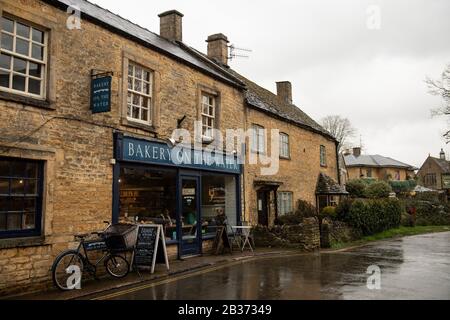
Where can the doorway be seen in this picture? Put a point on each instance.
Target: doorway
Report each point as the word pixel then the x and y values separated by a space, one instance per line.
pixel 189 216
pixel 263 209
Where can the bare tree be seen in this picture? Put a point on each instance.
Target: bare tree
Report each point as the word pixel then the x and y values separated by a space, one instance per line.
pixel 340 128
pixel 441 88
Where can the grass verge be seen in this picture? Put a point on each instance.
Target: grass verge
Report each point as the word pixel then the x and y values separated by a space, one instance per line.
pixel 392 233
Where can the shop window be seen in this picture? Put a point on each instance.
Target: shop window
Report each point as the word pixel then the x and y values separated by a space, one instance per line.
pixel 139 99
pixel 23 58
pixel 149 195
pixel 285 203
pixel 284 146
pixel 218 196
pixel 209 109
pixel 258 143
pixel 323 156
pixel 20 197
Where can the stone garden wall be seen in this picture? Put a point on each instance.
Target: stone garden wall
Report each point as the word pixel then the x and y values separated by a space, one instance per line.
pixel 305 236
pixel 337 231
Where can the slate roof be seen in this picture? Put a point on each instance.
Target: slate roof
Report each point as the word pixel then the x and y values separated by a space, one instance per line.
pixel 266 101
pixel 375 161
pixel 443 164
pixel 256 96
pixel 327 186
pixel 130 30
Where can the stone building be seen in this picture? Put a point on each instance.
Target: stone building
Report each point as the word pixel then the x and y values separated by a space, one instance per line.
pixel 376 167
pixel 88 108
pixel 306 150
pixel 435 173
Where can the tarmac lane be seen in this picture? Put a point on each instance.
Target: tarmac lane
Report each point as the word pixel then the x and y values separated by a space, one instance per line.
pixel 408 268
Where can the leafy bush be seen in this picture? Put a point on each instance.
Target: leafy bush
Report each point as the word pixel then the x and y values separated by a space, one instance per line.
pixel 431 214
pixel 328 212
pixel 377 190
pixel 306 209
pixel 403 186
pixel 375 215
pixel 356 188
pixel 289 220
pixel 343 209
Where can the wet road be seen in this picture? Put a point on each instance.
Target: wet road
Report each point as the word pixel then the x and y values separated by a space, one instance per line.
pixel 411 268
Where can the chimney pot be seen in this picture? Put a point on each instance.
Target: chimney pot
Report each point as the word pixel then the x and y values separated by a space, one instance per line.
pixel 357 152
pixel 218 48
pixel 442 155
pixel 171 25
pixel 284 91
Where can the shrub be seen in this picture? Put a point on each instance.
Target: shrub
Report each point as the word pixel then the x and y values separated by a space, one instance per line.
pixel 356 188
pixel 328 212
pixel 343 209
pixel 375 215
pixel 403 186
pixel 306 209
pixel 379 189
pixel 431 213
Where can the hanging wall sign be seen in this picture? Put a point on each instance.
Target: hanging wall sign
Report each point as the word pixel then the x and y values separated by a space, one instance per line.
pixel 101 94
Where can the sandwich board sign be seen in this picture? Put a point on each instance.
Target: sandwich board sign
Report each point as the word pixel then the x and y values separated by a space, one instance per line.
pixel 150 240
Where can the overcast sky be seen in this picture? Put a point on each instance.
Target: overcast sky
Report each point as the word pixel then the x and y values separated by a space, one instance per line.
pixel 338 60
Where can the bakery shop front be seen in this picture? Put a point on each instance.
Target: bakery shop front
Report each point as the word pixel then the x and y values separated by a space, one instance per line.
pixel 183 190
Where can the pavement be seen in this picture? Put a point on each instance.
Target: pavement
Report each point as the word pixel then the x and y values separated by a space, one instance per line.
pixel 410 268
pixel 177 267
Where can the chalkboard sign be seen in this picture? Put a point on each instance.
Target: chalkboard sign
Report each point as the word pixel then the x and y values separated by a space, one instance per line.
pixel 149 239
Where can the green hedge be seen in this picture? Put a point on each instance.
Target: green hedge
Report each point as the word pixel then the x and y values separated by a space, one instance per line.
pixel 403 186
pixel 430 212
pixel 371 216
pixel 379 189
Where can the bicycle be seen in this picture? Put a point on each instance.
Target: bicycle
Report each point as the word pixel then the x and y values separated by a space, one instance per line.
pixel 70 262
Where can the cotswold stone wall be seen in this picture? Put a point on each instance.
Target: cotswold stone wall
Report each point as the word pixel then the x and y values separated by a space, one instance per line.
pixel 299 174
pixel 75 145
pixel 333 232
pixel 305 236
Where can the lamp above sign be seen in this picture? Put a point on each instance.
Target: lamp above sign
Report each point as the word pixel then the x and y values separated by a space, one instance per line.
pixel 101 92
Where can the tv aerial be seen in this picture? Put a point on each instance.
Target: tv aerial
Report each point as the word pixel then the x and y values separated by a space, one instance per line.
pixel 236 52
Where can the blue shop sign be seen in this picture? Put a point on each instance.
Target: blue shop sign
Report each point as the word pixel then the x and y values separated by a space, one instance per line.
pixel 101 94
pixel 159 153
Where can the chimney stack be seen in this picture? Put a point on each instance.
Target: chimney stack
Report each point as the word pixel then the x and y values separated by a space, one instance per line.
pixel 171 25
pixel 357 152
pixel 284 91
pixel 218 48
pixel 442 155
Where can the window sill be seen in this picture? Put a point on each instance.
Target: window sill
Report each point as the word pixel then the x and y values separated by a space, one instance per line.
pixel 21 242
pixel 26 100
pixel 286 158
pixel 137 125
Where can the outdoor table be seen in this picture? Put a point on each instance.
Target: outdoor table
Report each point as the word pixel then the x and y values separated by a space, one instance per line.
pixel 246 230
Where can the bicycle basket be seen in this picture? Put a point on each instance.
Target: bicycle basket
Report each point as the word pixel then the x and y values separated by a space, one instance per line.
pixel 120 236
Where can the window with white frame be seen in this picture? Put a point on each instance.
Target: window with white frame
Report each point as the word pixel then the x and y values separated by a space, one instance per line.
pixel 323 156
pixel 284 146
pixel 23 58
pixel 140 84
pixel 258 142
pixel 285 203
pixel 208 115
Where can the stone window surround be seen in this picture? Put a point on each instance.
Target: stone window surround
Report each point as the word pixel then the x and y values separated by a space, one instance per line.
pixel 323 156
pixel 212 91
pixel 252 149
pixel 47 24
pixel 155 107
pixel 47 156
pixel 288 157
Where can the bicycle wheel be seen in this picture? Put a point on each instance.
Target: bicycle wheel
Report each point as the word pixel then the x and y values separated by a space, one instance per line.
pixel 67 270
pixel 117 266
